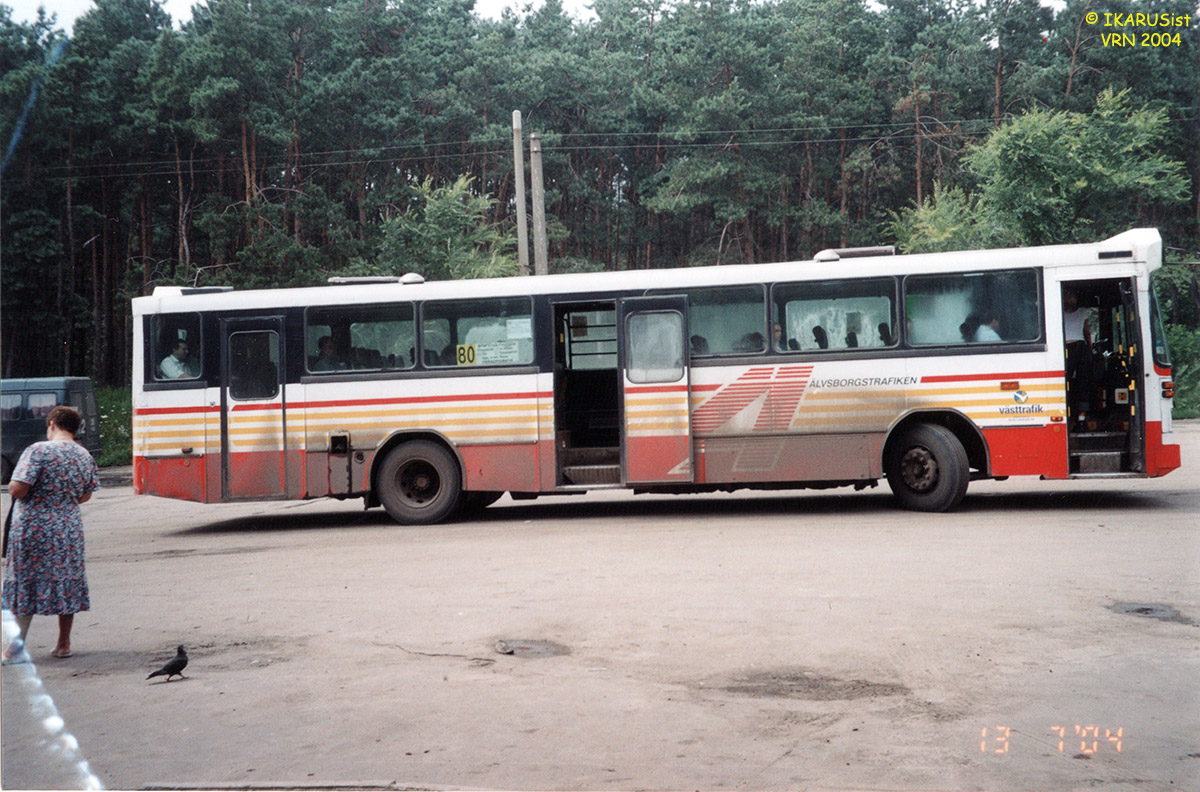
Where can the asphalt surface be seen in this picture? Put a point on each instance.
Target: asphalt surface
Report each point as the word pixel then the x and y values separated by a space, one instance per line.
pixel 1044 636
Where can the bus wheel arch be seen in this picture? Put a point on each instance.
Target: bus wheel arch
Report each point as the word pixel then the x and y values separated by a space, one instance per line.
pixel 928 459
pixel 417 478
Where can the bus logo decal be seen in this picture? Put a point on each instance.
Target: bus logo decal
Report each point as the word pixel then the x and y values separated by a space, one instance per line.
pixel 784 385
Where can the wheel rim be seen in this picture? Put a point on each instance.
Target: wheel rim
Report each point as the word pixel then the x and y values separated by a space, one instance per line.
pixel 418 482
pixel 919 469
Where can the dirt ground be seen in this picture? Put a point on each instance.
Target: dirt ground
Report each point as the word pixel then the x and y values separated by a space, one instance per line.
pixel 1044 636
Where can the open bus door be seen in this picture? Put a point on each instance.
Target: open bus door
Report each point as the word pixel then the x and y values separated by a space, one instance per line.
pixel 253 415
pixel 1104 382
pixel 653 364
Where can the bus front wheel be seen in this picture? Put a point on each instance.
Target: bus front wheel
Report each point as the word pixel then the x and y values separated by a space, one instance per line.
pixel 419 483
pixel 927 469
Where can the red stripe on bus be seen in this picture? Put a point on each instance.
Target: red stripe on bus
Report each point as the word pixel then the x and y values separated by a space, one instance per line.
pixel 978 377
pixel 271 407
pixel 173 410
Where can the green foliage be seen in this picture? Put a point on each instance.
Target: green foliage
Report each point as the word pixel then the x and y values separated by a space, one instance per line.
pixel 1058 177
pixel 950 220
pixel 443 234
pixel 1184 343
pixel 115 403
pixel 1178 289
pixel 1055 177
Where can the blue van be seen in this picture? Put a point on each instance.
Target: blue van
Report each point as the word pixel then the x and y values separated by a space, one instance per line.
pixel 24 405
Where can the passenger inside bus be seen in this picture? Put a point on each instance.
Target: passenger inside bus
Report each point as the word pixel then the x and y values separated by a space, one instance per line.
pixel 1077 335
pixel 750 342
pixel 326 356
pixel 977 331
pixel 176 364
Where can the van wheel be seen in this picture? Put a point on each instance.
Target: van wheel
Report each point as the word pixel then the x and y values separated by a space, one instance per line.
pixel 927 469
pixel 419 483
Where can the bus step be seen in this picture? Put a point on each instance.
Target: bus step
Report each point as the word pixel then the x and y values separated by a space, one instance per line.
pixel 589 457
pixel 1097 462
pixel 1087 442
pixel 592 474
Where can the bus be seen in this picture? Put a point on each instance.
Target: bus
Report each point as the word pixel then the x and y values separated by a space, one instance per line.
pixel 435 398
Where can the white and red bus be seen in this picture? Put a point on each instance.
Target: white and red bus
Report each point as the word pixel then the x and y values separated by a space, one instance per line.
pixel 434 398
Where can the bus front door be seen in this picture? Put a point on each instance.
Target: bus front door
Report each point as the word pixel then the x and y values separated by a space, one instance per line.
pixel 652 356
pixel 253 415
pixel 1105 394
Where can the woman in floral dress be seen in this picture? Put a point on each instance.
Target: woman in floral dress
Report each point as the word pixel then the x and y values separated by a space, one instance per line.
pixel 44 572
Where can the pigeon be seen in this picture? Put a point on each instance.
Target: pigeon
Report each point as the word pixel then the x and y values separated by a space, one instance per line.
pixel 174 666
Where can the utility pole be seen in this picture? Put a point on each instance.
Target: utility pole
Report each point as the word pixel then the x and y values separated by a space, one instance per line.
pixel 519 171
pixel 540 253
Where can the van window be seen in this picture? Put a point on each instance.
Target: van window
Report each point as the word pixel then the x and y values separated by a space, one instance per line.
pixel 176 350
pixel 40 405
pixel 85 403
pixel 10 406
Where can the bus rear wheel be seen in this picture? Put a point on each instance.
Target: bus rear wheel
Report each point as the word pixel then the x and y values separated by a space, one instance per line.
pixel 419 483
pixel 927 469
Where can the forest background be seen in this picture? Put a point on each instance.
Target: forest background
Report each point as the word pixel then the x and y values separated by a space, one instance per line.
pixel 270 143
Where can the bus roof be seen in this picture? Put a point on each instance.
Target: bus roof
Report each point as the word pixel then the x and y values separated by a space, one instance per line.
pixel 1137 246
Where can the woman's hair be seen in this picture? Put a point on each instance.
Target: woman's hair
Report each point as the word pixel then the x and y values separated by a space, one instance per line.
pixel 65 418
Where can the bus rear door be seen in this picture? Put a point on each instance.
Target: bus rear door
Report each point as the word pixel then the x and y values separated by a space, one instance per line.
pixel 652 355
pixel 253 409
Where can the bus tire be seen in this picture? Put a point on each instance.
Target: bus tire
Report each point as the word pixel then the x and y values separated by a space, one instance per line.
pixel 927 469
pixel 419 483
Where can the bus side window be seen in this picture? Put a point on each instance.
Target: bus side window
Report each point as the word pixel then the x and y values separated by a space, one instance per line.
pixel 488 332
pixel 835 315
pixel 973 308
pixel 176 347
pixel 725 320
pixel 359 338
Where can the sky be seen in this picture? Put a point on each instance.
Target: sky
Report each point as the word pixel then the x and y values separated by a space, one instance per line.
pixel 180 10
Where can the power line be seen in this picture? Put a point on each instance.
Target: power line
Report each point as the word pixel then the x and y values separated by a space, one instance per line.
pixel 655 141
